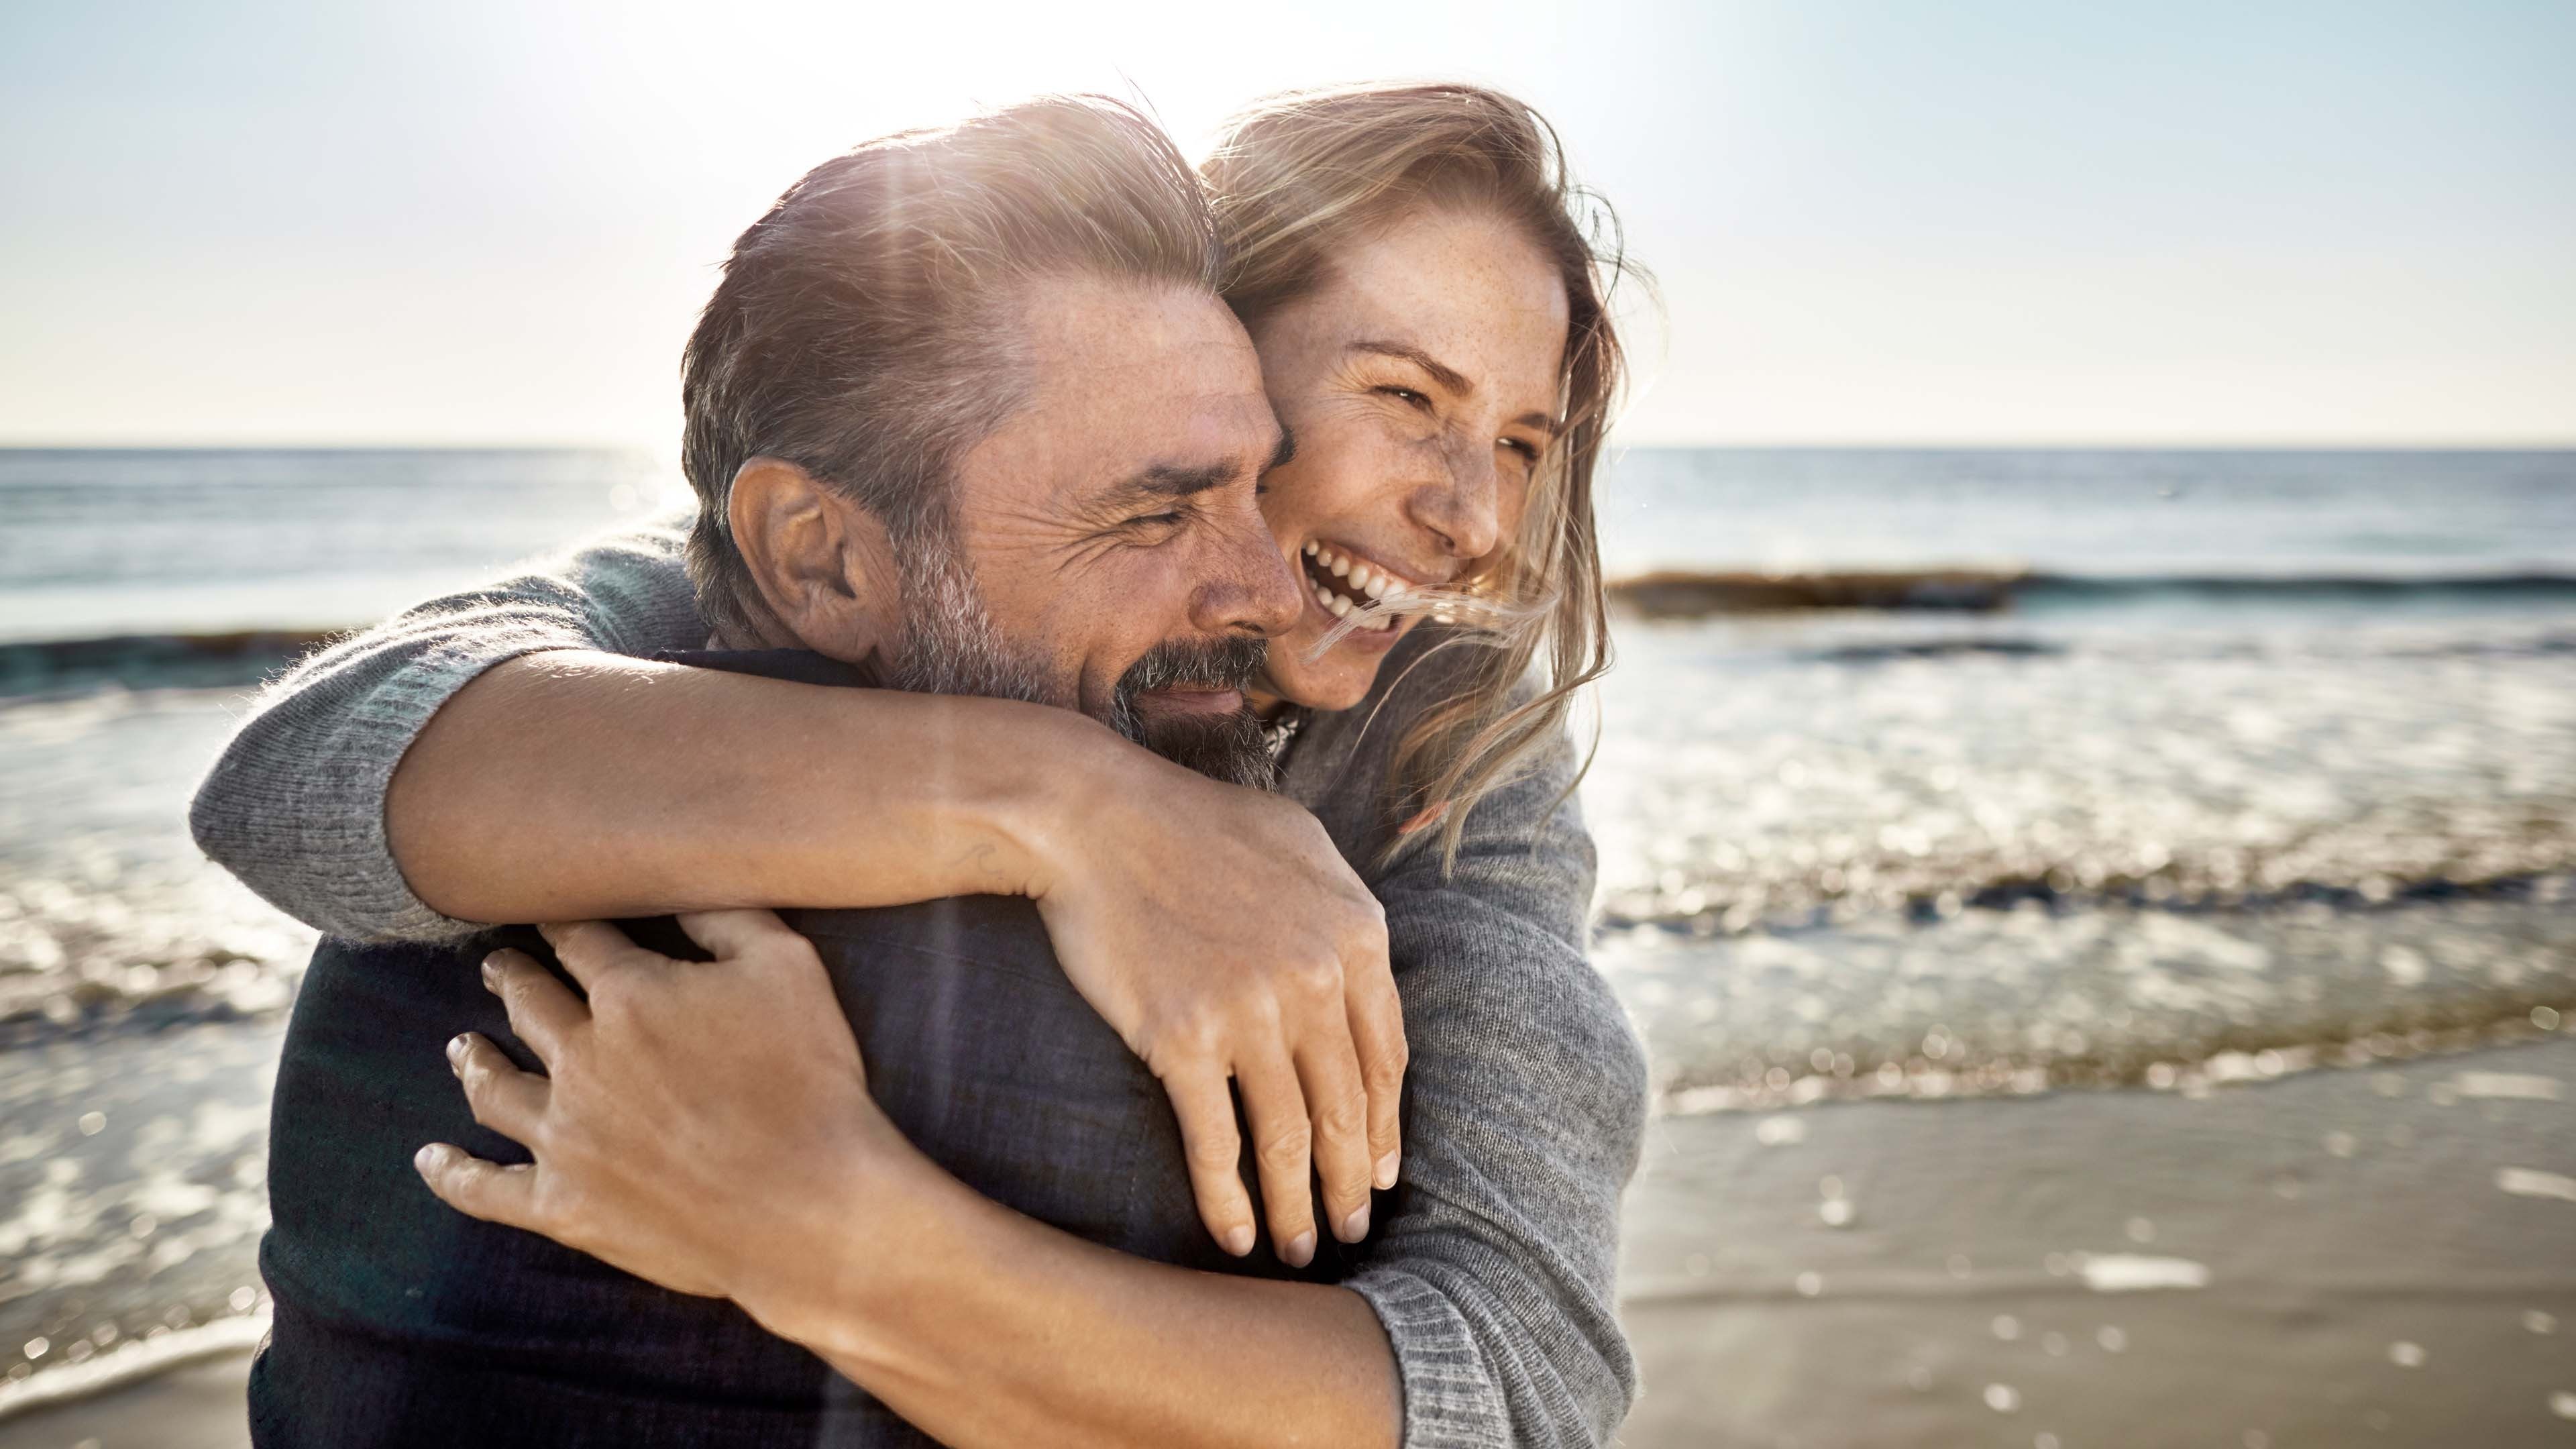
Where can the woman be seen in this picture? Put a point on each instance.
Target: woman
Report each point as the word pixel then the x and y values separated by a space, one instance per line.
pixel 1429 315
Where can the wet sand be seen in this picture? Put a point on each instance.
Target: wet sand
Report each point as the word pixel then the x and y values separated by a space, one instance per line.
pixel 195 1406
pixel 2383 1256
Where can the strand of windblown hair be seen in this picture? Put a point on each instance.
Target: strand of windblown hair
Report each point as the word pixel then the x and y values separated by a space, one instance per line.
pixel 1478 612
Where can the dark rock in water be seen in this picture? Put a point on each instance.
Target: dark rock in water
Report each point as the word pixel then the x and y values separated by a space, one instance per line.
pixel 154 660
pixel 1673 595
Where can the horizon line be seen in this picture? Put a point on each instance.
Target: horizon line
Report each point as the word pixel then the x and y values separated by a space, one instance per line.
pixel 1785 444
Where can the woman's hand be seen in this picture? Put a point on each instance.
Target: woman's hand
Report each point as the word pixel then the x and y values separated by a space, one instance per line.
pixel 690 1109
pixel 706 1126
pixel 1219 932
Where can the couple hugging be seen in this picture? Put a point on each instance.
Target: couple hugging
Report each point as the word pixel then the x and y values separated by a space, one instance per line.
pixel 1127 627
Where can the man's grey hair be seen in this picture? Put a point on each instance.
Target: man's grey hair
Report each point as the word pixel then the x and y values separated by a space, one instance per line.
pixel 866 327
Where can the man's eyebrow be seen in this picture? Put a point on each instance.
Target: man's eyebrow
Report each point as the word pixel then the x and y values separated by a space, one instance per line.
pixel 1180 480
pixel 1450 378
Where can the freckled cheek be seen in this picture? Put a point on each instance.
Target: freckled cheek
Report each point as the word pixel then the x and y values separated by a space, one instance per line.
pixel 1511 505
pixel 1366 473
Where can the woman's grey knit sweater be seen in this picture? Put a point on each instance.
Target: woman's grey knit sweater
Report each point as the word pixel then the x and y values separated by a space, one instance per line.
pixel 1524 1103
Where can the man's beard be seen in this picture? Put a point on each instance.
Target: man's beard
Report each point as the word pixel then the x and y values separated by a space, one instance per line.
pixel 952 647
pixel 1228 746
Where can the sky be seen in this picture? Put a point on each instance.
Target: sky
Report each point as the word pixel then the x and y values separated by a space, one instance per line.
pixel 1874 222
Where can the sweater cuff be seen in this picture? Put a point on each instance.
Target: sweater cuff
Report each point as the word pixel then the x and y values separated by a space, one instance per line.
pixel 371 888
pixel 1450 1401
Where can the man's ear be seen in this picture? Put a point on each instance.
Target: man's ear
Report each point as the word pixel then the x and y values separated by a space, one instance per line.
pixel 823 564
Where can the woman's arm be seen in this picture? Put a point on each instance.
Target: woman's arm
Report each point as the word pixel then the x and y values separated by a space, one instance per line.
pixel 798 1198
pixel 575 784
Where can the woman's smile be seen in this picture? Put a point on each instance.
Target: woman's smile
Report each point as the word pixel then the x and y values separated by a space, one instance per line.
pixel 1343 583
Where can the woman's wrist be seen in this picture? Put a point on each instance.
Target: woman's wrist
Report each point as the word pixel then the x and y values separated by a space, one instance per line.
pixel 1078 779
pixel 975 787
pixel 844 1269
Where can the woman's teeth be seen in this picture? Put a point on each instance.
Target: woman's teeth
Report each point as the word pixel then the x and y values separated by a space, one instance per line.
pixel 1366 582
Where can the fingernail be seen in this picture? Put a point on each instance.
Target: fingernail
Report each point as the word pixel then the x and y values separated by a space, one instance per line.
pixel 456 1051
pixel 491 974
pixel 1238 1239
pixel 1355 1227
pixel 1300 1250
pixel 1386 1167
pixel 426 1158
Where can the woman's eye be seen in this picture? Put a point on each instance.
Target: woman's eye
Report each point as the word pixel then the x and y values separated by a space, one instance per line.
pixel 1528 451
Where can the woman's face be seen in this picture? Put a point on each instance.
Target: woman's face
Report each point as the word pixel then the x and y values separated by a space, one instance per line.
pixel 1420 381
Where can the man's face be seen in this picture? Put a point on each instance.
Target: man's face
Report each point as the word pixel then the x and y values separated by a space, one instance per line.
pixel 1109 534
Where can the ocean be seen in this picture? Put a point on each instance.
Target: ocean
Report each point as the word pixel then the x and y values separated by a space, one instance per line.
pixel 1923 775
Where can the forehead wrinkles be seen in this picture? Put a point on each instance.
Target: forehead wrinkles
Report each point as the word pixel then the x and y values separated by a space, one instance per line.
pixel 1496 313
pixel 1120 377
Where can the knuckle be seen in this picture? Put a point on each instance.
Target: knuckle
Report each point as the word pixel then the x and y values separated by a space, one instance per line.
pixel 1214 1153
pixel 610 1007
pixel 1253 1015
pixel 559 1199
pixel 1319 979
pixel 1364 939
pixel 1285 1147
pixel 1343 1115
pixel 1387 1060
pixel 785 950
pixel 1190 1033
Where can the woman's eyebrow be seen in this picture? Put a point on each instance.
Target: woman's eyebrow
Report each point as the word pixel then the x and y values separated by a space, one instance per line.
pixel 1441 373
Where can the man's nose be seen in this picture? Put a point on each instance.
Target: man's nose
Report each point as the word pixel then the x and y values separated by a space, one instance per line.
pixel 1464 508
pixel 1254 589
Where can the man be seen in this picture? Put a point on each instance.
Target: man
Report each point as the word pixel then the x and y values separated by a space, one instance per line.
pixel 1114 378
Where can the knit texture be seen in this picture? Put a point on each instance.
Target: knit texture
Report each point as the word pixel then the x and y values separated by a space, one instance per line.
pixel 295 805
pixel 1495 1274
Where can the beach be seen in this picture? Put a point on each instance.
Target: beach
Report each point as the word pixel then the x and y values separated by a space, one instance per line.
pixel 2103 926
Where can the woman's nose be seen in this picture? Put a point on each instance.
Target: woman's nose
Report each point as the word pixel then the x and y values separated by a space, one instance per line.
pixel 1465 507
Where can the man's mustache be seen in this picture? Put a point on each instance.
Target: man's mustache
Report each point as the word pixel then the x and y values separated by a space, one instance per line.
pixel 1229 663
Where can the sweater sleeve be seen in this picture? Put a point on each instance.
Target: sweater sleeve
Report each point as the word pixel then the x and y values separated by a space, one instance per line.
pixel 1525 1105
pixel 295 804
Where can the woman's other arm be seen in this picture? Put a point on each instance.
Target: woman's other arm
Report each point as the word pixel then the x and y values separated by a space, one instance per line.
pixel 1496 1273
pixel 708 1127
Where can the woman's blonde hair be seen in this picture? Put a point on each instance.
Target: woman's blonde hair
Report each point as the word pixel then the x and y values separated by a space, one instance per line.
pixel 1297 176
